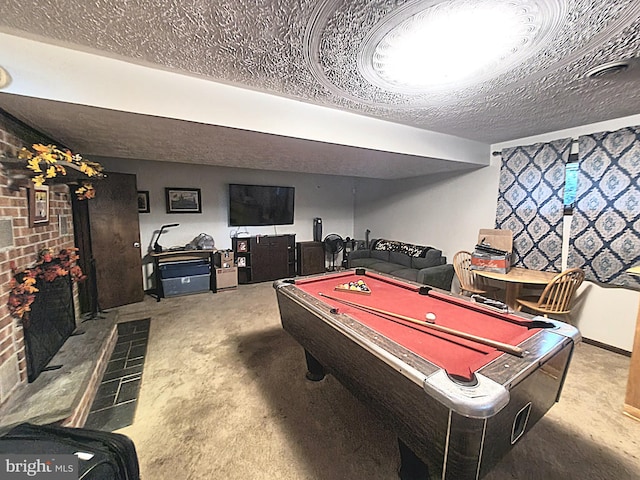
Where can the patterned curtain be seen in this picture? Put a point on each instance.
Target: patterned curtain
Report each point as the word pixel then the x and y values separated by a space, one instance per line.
pixel 531 203
pixel 605 229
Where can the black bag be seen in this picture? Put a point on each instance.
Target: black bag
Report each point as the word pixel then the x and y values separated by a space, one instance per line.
pixel 101 455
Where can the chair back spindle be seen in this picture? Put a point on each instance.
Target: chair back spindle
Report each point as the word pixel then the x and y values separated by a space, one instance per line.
pixel 469 281
pixel 557 296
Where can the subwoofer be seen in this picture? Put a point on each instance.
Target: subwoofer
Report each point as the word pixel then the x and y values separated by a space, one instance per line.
pixel 310 258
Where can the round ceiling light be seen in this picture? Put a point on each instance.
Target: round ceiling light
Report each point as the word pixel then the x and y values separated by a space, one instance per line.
pixel 455 43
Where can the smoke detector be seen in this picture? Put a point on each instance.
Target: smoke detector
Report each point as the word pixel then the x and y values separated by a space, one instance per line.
pixel 607 69
pixel 5 78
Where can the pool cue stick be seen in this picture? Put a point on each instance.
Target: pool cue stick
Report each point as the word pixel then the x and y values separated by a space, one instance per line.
pixel 503 347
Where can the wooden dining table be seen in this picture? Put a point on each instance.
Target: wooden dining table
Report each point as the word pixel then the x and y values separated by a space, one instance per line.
pixel 515 278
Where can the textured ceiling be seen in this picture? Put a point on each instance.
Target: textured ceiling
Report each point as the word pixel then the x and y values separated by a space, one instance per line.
pixel 312 51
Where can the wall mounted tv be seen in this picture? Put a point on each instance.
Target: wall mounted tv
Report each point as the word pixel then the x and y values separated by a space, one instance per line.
pixel 255 205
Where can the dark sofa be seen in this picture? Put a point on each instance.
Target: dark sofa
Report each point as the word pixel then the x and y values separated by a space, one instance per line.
pixel 425 265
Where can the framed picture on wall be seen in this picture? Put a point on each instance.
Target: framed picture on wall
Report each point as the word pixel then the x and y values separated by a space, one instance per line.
pixel 143 201
pixel 183 200
pixel 38 205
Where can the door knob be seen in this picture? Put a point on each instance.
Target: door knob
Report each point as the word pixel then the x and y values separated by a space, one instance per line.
pixel 136 244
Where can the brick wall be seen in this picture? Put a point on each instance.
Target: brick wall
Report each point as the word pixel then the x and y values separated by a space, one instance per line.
pixel 23 250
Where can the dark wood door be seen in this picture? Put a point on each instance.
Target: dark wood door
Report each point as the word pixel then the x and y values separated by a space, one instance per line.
pixel 115 241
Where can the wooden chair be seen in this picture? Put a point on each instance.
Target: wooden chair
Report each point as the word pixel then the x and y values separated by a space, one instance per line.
pixel 557 296
pixel 470 283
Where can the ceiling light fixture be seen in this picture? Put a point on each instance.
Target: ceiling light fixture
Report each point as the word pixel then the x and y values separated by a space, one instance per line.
pixel 459 42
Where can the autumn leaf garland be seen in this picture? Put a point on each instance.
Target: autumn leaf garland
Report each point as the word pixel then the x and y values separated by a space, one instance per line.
pixel 23 284
pixel 45 163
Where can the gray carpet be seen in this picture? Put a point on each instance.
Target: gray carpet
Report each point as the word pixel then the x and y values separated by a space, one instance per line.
pixel 223 396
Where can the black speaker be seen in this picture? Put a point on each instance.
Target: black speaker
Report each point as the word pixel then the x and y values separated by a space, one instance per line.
pixel 317 229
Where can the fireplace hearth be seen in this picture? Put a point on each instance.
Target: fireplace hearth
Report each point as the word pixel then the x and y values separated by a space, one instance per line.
pixel 49 323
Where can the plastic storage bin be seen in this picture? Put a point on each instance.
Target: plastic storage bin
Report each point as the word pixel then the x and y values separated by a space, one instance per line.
pixel 186 268
pixel 185 285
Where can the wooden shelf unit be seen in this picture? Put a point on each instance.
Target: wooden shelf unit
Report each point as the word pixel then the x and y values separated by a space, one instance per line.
pixel 265 258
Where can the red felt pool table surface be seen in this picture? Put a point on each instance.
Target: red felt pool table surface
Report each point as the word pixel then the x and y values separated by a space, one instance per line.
pixel 457 356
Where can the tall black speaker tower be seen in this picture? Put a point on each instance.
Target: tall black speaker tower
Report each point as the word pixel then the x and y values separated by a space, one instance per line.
pixel 317 229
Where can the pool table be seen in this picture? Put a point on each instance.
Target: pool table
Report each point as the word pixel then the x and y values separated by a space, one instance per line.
pixel 431 364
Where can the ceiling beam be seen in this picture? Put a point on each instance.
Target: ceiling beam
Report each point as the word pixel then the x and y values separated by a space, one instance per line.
pixel 48 71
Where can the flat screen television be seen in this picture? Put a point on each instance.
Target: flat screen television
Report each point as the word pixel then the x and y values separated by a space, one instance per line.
pixel 255 205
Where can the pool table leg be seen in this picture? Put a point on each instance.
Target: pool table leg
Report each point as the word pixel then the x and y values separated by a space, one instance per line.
pixel 411 467
pixel 315 370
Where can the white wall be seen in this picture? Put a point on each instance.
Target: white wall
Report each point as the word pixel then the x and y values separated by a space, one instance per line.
pixel 443 211
pixel 446 212
pixel 325 196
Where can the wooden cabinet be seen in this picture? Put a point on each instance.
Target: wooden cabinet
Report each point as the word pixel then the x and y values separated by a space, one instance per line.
pixel 264 258
pixel 310 258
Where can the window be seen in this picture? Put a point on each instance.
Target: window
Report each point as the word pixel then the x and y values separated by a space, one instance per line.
pixel 531 202
pixel 570 183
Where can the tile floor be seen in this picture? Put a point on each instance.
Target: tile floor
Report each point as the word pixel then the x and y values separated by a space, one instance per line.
pixel 115 403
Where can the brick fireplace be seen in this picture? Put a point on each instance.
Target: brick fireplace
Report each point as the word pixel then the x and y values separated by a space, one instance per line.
pixel 20 244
